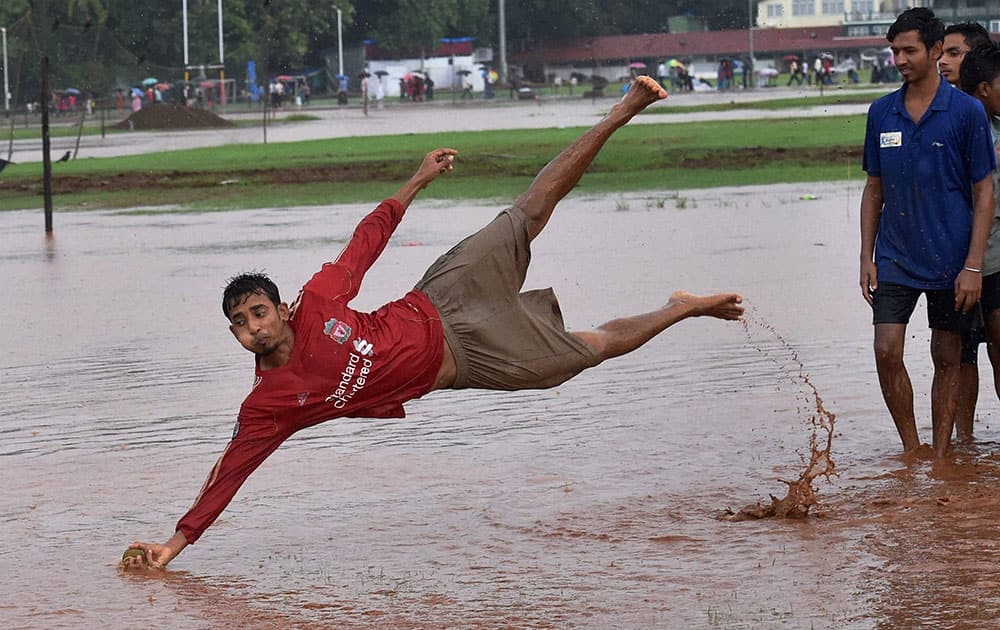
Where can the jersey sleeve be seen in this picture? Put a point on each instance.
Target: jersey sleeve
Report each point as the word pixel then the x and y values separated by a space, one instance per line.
pixel 342 278
pixel 243 455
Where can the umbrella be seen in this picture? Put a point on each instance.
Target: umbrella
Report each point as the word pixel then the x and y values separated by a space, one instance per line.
pixel 417 74
pixel 675 63
pixel 162 86
pixel 148 81
pixel 137 92
pixel 790 58
pixel 284 77
pixel 464 72
pixel 381 73
pixel 73 91
pixel 636 64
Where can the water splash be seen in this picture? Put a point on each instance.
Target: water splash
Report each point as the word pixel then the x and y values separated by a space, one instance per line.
pixel 801 495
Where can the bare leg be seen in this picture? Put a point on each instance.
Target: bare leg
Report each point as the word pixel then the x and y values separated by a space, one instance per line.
pixel 897 391
pixel 968 396
pixel 993 345
pixel 620 336
pixel 565 170
pixel 946 353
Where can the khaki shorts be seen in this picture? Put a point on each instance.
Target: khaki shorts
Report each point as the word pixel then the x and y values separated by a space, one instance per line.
pixel 501 338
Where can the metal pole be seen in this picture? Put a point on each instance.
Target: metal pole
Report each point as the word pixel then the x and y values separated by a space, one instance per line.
pixel 502 20
pixel 6 83
pixel 221 49
pixel 222 62
pixel 750 15
pixel 340 43
pixel 184 19
pixel 46 100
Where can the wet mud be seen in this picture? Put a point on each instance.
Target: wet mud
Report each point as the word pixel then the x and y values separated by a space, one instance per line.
pixel 592 505
pixel 801 495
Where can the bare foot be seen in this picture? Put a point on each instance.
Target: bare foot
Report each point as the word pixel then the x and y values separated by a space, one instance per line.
pixel 722 305
pixel 643 92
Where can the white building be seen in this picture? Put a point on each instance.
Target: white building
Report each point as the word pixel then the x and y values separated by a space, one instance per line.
pixel 863 18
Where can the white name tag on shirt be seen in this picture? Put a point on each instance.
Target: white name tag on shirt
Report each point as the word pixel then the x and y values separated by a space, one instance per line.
pixel 890 139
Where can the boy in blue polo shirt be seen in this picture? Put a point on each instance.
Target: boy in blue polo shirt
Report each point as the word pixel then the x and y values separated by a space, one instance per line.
pixel 925 215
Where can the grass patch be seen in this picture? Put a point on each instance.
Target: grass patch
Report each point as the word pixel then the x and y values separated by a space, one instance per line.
pixel 492 164
pixel 796 102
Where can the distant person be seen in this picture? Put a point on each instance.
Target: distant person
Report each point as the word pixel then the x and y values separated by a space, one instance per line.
pixel 979 76
pixel 465 325
pixel 662 74
pixel 136 102
pixel 959 39
pixel 429 88
pixel 795 73
pixel 923 227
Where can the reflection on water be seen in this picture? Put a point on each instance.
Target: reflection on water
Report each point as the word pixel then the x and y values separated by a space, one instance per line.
pixel 591 505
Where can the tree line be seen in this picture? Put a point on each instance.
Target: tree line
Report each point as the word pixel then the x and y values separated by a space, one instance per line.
pixel 96 45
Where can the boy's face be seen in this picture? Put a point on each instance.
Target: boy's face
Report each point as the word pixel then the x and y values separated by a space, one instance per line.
pixel 257 324
pixel 989 95
pixel 913 60
pixel 952 56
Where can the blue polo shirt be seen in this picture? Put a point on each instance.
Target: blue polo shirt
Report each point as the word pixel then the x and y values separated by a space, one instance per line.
pixel 927 171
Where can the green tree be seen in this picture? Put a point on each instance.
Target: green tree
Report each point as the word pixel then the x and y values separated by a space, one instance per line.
pixel 416 27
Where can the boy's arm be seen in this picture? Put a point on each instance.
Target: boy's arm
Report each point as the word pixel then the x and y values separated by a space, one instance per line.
pixel 434 164
pixel 244 454
pixel 342 278
pixel 969 283
pixel 871 209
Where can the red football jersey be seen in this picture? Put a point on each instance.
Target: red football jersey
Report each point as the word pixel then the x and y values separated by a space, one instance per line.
pixel 343 363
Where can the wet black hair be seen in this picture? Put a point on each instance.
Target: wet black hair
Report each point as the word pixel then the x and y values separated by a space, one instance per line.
pixel 973 32
pixel 239 287
pixel 922 20
pixel 982 63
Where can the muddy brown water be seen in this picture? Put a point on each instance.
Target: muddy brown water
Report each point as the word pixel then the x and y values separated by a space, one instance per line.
pixel 591 505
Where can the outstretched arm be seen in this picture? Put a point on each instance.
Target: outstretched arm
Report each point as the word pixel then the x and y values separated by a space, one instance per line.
pixel 434 164
pixel 342 278
pixel 245 453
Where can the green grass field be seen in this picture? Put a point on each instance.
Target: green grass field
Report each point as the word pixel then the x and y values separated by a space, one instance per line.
pixel 492 165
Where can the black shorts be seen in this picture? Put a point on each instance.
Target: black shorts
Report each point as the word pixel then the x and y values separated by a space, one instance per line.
pixel 894 303
pixel 991 294
pixel 973 334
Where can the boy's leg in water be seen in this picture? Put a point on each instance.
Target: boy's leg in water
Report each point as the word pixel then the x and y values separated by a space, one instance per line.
pixel 623 335
pixel 565 170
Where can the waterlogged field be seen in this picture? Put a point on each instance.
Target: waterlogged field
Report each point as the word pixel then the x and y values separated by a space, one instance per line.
pixel 596 504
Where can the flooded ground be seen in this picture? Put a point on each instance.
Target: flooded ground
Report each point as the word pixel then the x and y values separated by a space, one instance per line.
pixel 591 505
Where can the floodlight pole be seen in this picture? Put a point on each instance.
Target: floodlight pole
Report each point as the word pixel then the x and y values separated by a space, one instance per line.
pixel 184 22
pixel 6 84
pixel 222 63
pixel 340 43
pixel 502 39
